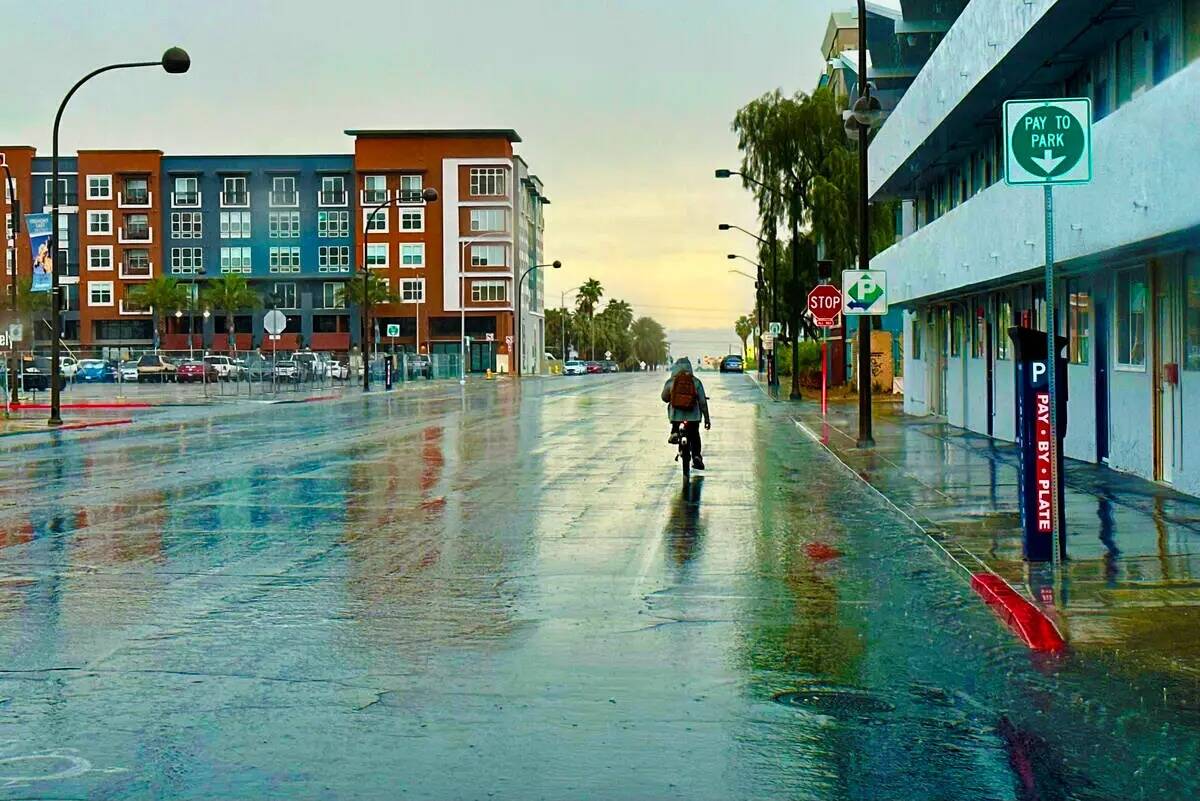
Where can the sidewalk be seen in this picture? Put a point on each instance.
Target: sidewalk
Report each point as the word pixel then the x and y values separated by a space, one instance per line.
pixel 1132 580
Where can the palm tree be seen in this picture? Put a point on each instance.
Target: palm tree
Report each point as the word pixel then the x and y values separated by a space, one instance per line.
pixel 744 328
pixel 586 298
pixel 230 294
pixel 30 303
pixel 351 292
pixel 649 341
pixel 162 295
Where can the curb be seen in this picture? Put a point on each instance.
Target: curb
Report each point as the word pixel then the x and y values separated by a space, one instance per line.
pixel 82 406
pixel 68 427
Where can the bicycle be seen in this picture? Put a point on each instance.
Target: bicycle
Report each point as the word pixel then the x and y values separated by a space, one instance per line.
pixel 685 453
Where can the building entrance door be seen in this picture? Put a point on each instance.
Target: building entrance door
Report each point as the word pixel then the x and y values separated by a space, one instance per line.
pixel 1166 370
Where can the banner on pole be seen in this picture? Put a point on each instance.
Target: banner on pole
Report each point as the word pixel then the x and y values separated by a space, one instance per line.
pixel 41 231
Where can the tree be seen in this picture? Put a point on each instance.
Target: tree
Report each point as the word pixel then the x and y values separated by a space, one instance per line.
pixel 163 295
pixel 558 330
pixel 649 341
pixel 586 298
pixel 744 328
pixel 378 292
pixel 230 294
pixel 612 329
pixel 32 305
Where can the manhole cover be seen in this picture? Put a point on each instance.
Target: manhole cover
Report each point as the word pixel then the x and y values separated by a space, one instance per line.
pixel 834 701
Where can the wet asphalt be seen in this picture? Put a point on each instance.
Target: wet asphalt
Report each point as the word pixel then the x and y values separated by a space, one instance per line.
pixel 509 593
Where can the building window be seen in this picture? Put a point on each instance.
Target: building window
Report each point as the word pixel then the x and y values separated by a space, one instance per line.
pixel 1078 320
pixel 99 223
pixel 99 187
pixel 333 295
pixel 1131 318
pixel 136 192
pixel 135 263
pixel 100 257
pixel 235 260
pixel 1003 323
pixel 283 191
pixel 186 261
pixel 916 336
pixel 233 191
pixel 186 225
pixel 488 181
pixel 333 223
pixel 375 189
pixel 489 291
pixel 412 290
pixel 956 332
pixel 333 258
pixel 488 256
pixel 65 198
pixel 1125 69
pixel 284 260
pixel 187 192
pixel 283 224
pixel 136 228
pixel 285 295
pixel 1192 322
pixel 412 219
pixel 410 188
pixel 235 225
pixel 979 333
pixel 100 293
pixel 333 190
pixel 375 220
pixel 412 255
pixel 488 220
pixel 377 254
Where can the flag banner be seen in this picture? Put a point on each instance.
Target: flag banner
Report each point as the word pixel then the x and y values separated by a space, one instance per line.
pixel 41 230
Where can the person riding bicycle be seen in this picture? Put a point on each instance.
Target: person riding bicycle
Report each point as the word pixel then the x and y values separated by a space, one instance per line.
pixel 687 405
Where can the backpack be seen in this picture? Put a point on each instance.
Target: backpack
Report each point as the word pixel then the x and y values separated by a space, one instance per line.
pixel 683 392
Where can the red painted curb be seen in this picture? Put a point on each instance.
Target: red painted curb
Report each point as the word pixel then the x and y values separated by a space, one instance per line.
pixel 1028 622
pixel 45 406
pixel 97 424
pixel 319 398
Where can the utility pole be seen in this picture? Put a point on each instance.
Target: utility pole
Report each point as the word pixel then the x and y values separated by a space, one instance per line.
pixel 794 321
pixel 865 434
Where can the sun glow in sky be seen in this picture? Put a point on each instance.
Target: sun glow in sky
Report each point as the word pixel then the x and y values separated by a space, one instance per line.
pixel 624 106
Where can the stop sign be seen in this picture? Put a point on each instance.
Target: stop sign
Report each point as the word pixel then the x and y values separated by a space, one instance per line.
pixel 825 304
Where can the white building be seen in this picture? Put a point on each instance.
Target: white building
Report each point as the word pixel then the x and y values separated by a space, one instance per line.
pixel 1128 245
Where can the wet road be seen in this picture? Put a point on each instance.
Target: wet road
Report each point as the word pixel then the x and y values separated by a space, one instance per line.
pixel 509 595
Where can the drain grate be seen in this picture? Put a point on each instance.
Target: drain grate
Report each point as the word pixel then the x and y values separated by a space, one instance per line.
pixel 828 700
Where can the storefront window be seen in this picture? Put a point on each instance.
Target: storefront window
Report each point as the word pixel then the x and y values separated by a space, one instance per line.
pixel 1078 322
pixel 979 334
pixel 1003 323
pixel 916 337
pixel 956 332
pixel 1131 317
pixel 1191 359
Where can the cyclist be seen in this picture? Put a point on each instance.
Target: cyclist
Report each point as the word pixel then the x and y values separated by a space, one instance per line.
pixel 688 405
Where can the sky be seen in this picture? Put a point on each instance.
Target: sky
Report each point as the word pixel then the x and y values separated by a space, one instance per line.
pixel 624 107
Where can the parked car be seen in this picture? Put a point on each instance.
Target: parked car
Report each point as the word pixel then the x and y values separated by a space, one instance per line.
pixel 419 366
pixel 339 370
pixel 257 368
pixel 156 367
pixel 312 365
pixel 610 366
pixel 594 367
pixel 35 375
pixel 195 370
pixel 128 370
pixel 96 371
pixel 68 366
pixel 733 364
pixel 288 370
pixel 227 369
pixel 574 367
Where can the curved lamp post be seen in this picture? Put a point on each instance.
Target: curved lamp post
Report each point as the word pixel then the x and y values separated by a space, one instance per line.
pixel 517 354
pixel 759 286
pixel 176 62
pixel 429 195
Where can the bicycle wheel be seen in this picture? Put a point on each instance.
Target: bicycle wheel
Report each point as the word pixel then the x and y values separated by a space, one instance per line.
pixel 685 454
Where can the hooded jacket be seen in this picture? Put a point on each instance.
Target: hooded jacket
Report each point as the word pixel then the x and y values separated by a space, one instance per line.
pixel 700 410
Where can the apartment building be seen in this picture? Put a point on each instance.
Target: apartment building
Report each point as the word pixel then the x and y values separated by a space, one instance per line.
pixel 298 227
pixel 970 262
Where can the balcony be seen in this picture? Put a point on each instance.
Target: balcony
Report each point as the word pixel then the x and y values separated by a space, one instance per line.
pixel 235 200
pixel 136 199
pixel 409 196
pixel 128 307
pixel 141 271
pixel 372 197
pixel 185 200
pixel 332 198
pixel 135 234
pixel 285 199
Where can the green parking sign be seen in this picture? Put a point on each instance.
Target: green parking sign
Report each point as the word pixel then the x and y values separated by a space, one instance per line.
pixel 1048 141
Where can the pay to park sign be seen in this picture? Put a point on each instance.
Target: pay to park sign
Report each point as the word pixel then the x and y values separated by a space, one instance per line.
pixel 1049 141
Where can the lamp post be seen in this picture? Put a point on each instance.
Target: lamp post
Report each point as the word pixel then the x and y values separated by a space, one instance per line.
pixel 15 212
pixel 193 299
pixel 562 328
pixel 429 195
pixel 462 302
pixel 175 61
pixel 794 316
pixel 557 265
pixel 759 285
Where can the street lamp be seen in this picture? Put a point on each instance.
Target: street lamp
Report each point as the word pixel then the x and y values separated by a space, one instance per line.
pixel 562 328
pixel 193 298
pixel 15 215
pixel 462 300
pixel 174 61
pixel 557 265
pixel 865 113
pixel 429 195
pixel 758 287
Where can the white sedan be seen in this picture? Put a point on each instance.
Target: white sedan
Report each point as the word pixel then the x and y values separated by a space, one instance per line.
pixel 574 367
pixel 339 370
pixel 129 370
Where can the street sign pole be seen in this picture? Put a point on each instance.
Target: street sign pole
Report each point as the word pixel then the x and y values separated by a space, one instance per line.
pixel 1051 370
